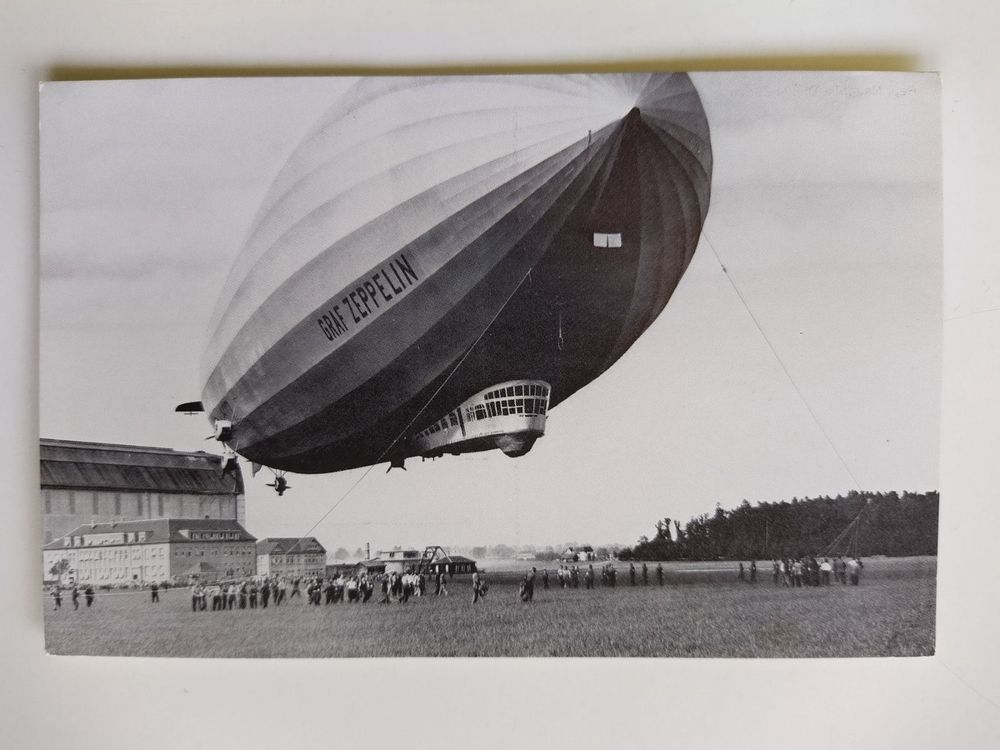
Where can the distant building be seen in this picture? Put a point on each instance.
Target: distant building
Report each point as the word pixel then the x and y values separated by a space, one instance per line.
pixel 430 561
pixel 159 549
pixel 101 482
pixel 371 567
pixel 584 553
pixel 453 565
pixel 341 569
pixel 399 560
pixel 291 557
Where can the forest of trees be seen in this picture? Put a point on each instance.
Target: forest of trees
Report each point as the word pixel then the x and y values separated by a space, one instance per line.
pixel 863 523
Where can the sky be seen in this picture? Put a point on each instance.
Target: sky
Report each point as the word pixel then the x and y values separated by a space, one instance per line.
pixel 810 366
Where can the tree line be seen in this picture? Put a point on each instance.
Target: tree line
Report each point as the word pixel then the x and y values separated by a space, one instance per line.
pixel 862 523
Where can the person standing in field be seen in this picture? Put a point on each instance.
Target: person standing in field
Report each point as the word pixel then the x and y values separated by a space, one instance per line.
pixel 631 574
pixel 265 594
pixel 813 572
pixel 645 575
pixel 545 578
pixel 154 593
pixel 854 570
pixel 742 575
pixel 589 578
pixel 797 574
pixel 659 573
pixel 75 596
pixel 753 571
pixel 56 597
pixel 475 587
pixel 88 594
pixel 824 571
pixel 531 585
pixel 775 574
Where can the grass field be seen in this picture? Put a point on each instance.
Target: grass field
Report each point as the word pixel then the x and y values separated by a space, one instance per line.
pixel 702 611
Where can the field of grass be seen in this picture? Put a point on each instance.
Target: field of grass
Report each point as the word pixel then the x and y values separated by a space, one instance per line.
pixel 701 611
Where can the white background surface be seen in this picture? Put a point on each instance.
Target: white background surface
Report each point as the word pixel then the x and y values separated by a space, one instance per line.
pixel 950 700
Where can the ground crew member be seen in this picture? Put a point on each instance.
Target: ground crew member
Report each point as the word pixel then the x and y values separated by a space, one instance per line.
pixel 659 572
pixel 89 594
pixel 477 587
pixel 631 573
pixel 154 592
pixel 57 597
pixel 76 597
pixel 645 575
pixel 854 570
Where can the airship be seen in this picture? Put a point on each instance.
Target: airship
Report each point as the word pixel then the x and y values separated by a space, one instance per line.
pixel 443 260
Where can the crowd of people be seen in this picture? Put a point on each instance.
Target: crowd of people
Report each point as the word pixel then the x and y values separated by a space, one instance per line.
pixel 570 576
pixel 807 571
pixel 259 592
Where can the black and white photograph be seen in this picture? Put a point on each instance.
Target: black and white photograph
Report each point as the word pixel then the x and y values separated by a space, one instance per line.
pixel 506 365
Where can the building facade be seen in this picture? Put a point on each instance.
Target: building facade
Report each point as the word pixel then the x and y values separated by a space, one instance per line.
pixel 101 482
pixel 291 557
pixel 407 560
pixel 160 549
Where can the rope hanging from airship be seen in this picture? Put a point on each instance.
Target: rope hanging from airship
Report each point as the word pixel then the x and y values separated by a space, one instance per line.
pixel 423 408
pixel 784 368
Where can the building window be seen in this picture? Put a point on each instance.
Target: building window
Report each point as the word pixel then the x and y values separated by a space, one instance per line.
pixel 48 501
pixel 159 505
pixel 93 500
pixel 72 503
pixel 118 504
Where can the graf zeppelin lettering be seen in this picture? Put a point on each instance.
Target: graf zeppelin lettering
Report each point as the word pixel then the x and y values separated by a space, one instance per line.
pixel 368 297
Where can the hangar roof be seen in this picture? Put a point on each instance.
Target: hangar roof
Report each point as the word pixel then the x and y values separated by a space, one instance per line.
pixel 70 464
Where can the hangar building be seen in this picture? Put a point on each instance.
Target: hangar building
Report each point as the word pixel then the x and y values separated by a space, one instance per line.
pixel 85 483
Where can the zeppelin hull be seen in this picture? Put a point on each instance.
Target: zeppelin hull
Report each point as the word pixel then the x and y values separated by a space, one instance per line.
pixel 546 268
